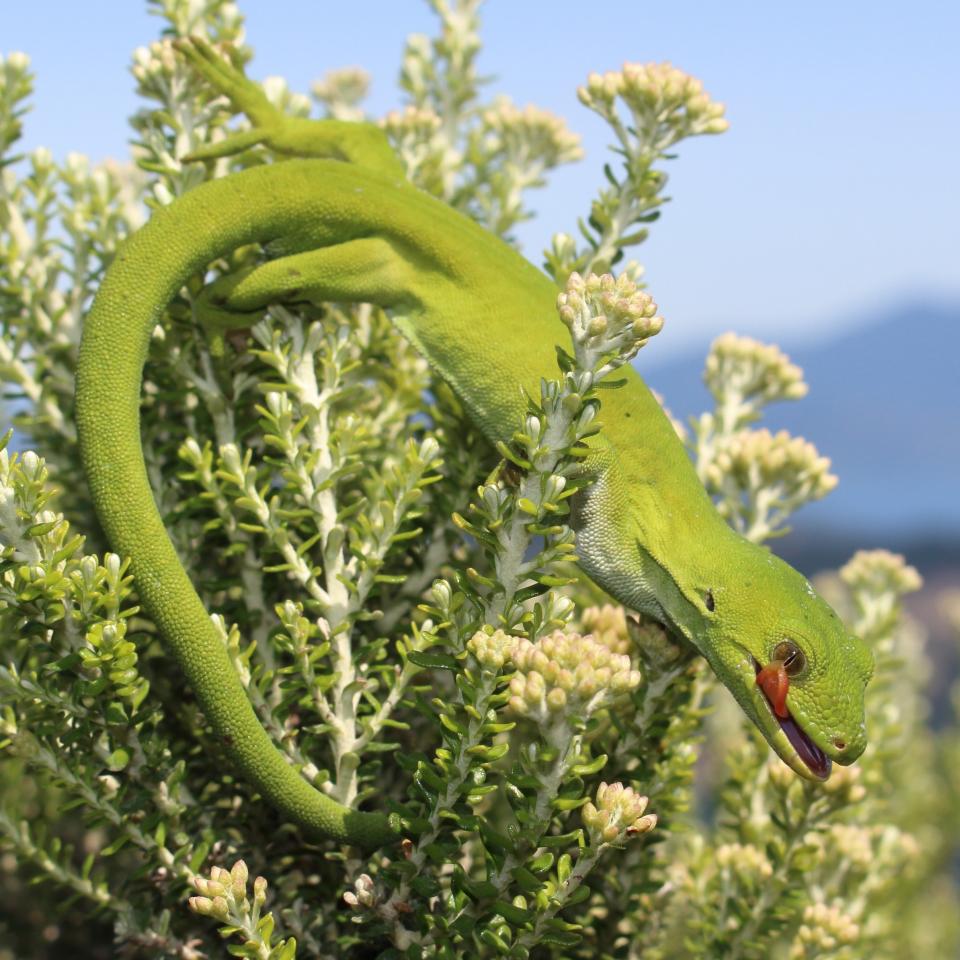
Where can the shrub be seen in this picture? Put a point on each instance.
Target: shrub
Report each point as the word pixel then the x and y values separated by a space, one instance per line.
pixel 404 633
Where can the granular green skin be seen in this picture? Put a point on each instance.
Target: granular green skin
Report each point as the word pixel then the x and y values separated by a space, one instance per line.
pixel 352 230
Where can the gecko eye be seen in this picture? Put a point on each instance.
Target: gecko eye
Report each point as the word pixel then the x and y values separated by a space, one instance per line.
pixel 791 656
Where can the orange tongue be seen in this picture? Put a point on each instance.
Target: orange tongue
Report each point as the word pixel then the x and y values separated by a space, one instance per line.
pixel 775 683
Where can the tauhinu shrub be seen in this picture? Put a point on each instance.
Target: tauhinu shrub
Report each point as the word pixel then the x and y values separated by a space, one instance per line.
pixel 535 745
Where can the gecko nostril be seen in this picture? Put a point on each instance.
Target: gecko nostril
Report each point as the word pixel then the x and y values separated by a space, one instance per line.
pixel 840 745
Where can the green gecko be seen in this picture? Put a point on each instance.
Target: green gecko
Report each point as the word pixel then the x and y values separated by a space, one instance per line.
pixel 346 226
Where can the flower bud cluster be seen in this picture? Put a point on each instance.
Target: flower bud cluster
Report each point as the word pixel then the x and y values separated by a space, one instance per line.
pixel 363 895
pixel 759 458
pixel 824 928
pixel 853 843
pixel 650 108
pixel 156 63
pixel 744 858
pixel 411 124
pixel 755 371
pixel 531 133
pixel 781 776
pixel 868 848
pixel 16 84
pixel 617 814
pixel 342 91
pixel 491 650
pixel 880 572
pixel 13 64
pixel 416 72
pixel 224 895
pixel 563 251
pixel 224 898
pixel 844 784
pixel 608 624
pixel 288 101
pixel 607 315
pixel 657 94
pixel 878 579
pixel 654 637
pixel 429 158
pixel 456 47
pixel 567 671
pixel 760 478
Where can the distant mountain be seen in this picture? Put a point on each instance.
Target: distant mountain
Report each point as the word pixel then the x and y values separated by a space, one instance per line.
pixel 884 405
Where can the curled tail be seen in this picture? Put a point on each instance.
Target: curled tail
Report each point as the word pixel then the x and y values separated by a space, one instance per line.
pixel 148 272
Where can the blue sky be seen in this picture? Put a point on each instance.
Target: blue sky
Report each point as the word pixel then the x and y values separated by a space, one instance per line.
pixel 834 191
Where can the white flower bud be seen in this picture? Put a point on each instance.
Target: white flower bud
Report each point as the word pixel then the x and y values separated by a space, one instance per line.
pixel 441 593
pixel 259 891
pixel 17 60
pixel 238 879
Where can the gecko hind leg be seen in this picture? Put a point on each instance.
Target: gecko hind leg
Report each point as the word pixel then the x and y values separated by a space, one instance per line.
pixel 362 143
pixel 367 270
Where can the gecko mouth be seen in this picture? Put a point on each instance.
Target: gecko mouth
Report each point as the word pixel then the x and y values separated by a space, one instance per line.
pixel 816 761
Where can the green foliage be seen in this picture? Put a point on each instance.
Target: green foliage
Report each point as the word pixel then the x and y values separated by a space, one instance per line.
pixel 413 636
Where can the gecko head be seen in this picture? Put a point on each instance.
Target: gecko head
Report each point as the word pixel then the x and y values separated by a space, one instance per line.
pixel 786 656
